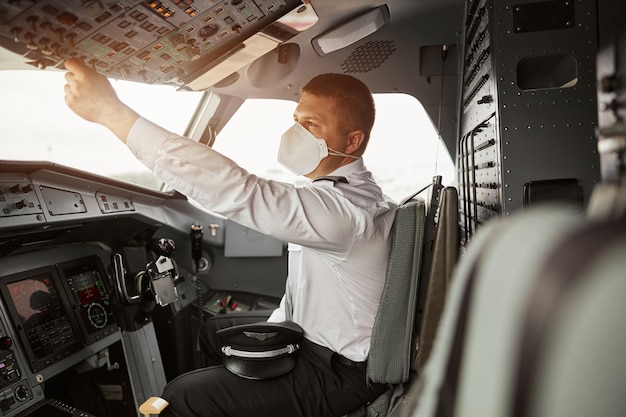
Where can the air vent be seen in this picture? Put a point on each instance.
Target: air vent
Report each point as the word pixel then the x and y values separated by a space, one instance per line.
pixel 368 56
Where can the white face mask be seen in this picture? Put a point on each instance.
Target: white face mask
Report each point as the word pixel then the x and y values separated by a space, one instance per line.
pixel 301 152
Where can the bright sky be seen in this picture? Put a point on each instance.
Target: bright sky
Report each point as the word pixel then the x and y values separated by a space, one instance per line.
pixel 37 125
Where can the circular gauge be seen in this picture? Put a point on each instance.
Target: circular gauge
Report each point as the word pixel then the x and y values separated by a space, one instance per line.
pixel 97 315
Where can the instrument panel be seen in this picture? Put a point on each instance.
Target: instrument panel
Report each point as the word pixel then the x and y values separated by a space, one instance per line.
pixel 58 309
pixel 161 42
pixel 54 314
pixel 57 304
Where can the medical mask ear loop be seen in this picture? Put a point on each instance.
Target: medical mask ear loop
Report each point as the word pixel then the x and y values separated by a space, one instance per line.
pixel 337 153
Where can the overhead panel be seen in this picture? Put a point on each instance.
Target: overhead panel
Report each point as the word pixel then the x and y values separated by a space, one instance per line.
pixel 160 42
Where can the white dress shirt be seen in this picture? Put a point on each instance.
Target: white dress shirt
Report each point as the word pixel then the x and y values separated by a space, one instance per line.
pixel 338 232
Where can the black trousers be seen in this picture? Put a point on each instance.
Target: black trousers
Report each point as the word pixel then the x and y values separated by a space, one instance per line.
pixel 321 384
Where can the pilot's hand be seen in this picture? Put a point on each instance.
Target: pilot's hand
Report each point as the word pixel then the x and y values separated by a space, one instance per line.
pixel 91 96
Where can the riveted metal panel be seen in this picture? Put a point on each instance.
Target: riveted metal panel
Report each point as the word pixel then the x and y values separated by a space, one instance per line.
pixel 532 91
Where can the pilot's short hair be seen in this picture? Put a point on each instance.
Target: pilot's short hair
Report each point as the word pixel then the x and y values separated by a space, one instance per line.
pixel 352 97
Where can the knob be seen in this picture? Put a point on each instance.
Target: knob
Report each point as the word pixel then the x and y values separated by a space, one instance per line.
pixel 32 21
pixel 178 42
pixel 60 32
pixel 193 53
pixel 29 41
pixel 21 204
pixel 71 37
pixel 56 49
pixel 163 246
pixel 11 375
pixel 16 33
pixel 45 46
pixel 22 393
pixel 46 25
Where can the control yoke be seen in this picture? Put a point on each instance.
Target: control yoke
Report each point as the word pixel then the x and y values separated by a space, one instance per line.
pixel 161 272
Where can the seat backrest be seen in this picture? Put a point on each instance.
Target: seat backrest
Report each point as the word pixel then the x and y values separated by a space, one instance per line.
pixel 391 347
pixel 391 350
pixel 423 253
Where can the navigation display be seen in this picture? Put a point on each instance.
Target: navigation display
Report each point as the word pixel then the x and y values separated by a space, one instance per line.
pixel 89 297
pixel 40 314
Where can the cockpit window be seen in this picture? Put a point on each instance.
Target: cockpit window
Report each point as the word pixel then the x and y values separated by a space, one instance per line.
pixel 404 152
pixel 38 126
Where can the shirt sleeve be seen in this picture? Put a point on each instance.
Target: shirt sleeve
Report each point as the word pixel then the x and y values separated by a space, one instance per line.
pixel 279 313
pixel 310 216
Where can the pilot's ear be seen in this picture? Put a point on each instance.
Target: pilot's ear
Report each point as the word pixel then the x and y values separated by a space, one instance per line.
pixel 355 140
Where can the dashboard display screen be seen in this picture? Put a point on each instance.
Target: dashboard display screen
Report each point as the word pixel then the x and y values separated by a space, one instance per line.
pixel 40 315
pixel 37 302
pixel 88 295
pixel 86 287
